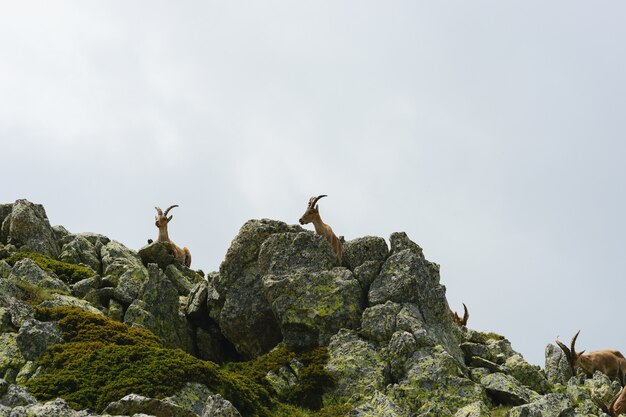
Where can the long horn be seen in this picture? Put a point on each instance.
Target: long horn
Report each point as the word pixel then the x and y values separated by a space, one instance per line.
pixel 313 200
pixel 169 208
pixel 568 353
pixel 159 211
pixel 573 343
pixel 466 314
pixel 601 404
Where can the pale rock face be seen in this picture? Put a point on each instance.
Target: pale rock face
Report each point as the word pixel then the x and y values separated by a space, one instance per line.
pixel 28 228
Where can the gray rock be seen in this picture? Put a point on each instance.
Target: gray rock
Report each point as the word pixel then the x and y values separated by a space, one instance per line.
pixel 27 271
pixel 56 408
pixel 435 384
pixel 378 405
pixel 401 348
pixel 60 233
pixel 11 359
pixel 366 273
pixel 557 367
pixel 4 387
pixel 356 366
pixel 196 308
pixel 84 286
pixel 134 404
pixel 158 309
pixel 242 311
pixel 505 389
pixel 5 270
pixel 80 250
pixel 35 337
pixel 406 277
pixel 17 311
pixel 129 284
pixel 477 409
pixel 364 249
pixel 5 211
pixel 59 300
pixel 29 371
pixel 160 253
pixel 17 396
pixel 496 350
pixel 379 322
pixel 217 406
pixel 183 278
pixel 28 228
pixel 118 259
pixel 551 405
pixel 529 375
pixel 311 307
pixel 400 241
pixel 193 397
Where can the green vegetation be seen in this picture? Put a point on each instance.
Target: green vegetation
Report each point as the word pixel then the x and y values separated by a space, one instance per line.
pixel 500 411
pixel 68 273
pixel 104 360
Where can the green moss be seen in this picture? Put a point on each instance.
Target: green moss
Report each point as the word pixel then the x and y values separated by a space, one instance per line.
pixel 104 360
pixel 500 411
pixel 313 379
pixel 492 336
pixel 68 273
pixel 32 294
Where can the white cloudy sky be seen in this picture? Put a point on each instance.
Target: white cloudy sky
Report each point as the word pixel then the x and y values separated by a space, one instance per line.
pixel 491 132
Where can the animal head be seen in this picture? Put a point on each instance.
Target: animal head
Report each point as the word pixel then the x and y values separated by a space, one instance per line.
pixel 311 210
pixel 461 321
pixel 161 219
pixel 575 359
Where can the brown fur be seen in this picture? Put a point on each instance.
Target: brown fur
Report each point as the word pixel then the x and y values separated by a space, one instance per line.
pixel 461 321
pixel 608 361
pixel 617 405
pixel 312 215
pixel 182 255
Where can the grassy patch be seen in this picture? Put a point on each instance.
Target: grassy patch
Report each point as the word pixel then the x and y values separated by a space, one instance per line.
pixel 68 273
pixel 104 360
pixel 500 411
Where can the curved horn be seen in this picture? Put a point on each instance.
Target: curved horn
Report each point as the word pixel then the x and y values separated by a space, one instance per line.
pixel 314 200
pixel 169 208
pixel 159 211
pixel 573 343
pixel 568 353
pixel 466 314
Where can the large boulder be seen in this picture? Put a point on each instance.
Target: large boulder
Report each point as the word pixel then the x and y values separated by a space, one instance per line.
pixel 136 404
pixel 407 277
pixel 310 300
pixel 557 368
pixel 27 271
pixel 551 405
pixel 218 406
pixel 158 308
pixel 504 389
pixel 435 384
pixel 35 337
pixel 15 311
pixel 28 228
pixel 242 311
pixel 160 253
pixel 364 249
pixel 11 359
pixel 78 249
pixel 356 366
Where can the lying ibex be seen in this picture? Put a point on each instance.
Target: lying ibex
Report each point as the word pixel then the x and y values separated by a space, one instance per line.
pixel 182 255
pixel 312 215
pixel 617 405
pixel 457 319
pixel 608 361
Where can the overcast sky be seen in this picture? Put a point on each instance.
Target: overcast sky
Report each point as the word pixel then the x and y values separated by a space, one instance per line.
pixel 492 132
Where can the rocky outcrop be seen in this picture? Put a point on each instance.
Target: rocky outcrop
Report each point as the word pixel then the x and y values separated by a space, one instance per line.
pixel 26 226
pixel 243 312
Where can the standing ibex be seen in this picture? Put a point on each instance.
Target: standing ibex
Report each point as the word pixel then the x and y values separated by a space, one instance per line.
pixel 312 215
pixel 182 255
pixel 608 361
pixel 457 319
pixel 617 405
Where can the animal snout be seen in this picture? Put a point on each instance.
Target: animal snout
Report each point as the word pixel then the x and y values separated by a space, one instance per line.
pixel 301 221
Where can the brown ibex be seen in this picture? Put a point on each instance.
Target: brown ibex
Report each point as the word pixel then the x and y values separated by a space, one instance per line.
pixel 457 319
pixel 617 405
pixel 608 361
pixel 182 255
pixel 312 215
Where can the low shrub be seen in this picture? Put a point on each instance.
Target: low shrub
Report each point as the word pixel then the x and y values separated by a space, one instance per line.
pixel 68 273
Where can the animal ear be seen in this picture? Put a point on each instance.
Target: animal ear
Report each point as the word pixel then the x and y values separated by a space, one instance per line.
pixel 170 218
